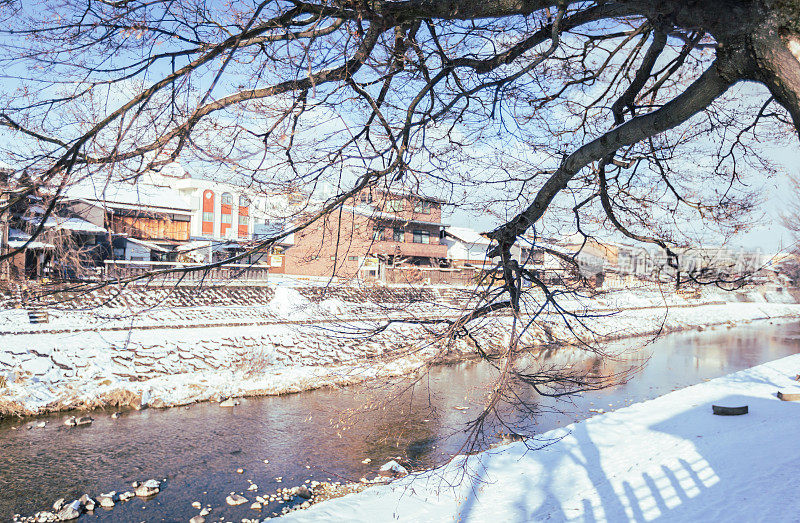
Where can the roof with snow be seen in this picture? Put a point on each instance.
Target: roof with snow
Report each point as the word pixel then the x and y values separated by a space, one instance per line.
pixel 373 213
pixel 148 245
pixel 70 224
pixel 467 235
pixel 411 194
pixel 124 195
pixel 17 239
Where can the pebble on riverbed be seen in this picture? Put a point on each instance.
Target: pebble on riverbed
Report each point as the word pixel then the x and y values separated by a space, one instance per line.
pixel 71 511
pixel 88 503
pixel 149 488
pixel 393 468
pixel 64 512
pixel 107 500
pixel 235 499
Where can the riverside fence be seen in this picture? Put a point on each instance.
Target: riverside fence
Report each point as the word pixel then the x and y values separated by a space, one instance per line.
pixel 174 271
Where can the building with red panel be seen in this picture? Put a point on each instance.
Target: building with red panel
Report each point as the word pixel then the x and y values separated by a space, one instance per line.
pixel 244 216
pixel 207 217
pixel 225 214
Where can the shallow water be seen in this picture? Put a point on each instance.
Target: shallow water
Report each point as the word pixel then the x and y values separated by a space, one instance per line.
pixel 308 435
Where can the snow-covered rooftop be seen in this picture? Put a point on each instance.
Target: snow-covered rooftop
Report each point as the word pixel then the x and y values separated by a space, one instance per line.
pixel 365 210
pixel 122 194
pixel 149 245
pixel 17 239
pixel 70 224
pixel 467 235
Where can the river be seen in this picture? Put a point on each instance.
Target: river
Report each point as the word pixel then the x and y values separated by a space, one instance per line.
pixel 310 435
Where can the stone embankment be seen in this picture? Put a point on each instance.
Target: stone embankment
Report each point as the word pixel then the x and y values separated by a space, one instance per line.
pixel 167 347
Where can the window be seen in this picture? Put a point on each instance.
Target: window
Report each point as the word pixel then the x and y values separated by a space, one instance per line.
pixel 352 258
pixel 242 220
pixel 226 218
pixel 398 234
pixel 226 199
pixel 395 205
pixel 208 216
pixel 377 234
pixel 244 201
pixel 422 236
pixel 366 197
pixel 423 206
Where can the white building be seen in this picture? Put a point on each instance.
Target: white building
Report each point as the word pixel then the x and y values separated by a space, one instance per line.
pixel 467 246
pixel 228 215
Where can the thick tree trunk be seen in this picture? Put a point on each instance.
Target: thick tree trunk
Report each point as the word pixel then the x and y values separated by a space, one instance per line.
pixel 777 55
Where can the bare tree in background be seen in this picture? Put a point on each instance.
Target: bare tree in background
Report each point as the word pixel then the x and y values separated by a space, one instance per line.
pixel 791 221
pixel 634 116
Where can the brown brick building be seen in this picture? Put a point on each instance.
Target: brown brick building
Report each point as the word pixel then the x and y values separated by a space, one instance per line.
pixel 374 230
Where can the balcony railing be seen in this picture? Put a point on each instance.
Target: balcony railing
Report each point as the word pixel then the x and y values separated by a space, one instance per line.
pixel 429 250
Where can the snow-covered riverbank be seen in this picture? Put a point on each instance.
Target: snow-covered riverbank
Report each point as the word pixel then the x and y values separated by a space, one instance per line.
pixel 668 459
pixel 275 347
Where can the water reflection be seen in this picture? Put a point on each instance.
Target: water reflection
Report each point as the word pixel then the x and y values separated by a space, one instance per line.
pixel 313 436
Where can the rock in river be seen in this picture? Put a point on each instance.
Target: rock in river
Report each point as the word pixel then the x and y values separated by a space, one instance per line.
pixel 71 511
pixel 393 468
pixel 304 492
pixel 235 499
pixel 88 503
pixel 148 488
pixel 198 519
pixel 84 420
pixel 230 402
pixel 106 500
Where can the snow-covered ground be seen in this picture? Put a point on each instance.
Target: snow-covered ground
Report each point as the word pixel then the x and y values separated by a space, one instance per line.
pixel 165 355
pixel 668 459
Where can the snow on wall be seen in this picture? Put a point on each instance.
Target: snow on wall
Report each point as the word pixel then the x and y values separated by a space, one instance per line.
pixel 175 354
